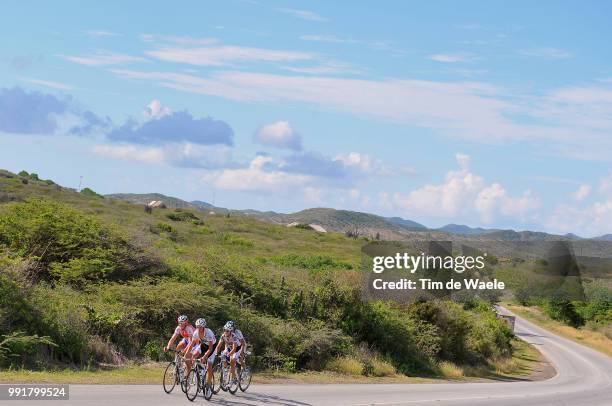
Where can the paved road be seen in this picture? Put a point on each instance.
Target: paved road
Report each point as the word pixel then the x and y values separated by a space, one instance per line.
pixel 584 378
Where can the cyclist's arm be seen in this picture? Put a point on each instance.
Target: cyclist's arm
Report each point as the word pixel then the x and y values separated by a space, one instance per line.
pixel 171 341
pixel 218 346
pixel 210 349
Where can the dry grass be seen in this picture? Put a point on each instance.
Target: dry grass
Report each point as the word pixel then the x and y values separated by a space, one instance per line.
pixel 590 338
pixel 346 365
pixel 450 370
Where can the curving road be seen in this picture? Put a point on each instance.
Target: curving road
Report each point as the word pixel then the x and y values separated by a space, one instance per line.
pixel 584 378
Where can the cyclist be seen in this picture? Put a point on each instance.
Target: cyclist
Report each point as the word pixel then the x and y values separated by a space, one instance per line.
pixel 202 341
pixel 185 330
pixel 235 346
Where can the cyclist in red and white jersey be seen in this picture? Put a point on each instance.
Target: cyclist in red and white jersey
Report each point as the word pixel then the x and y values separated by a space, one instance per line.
pixel 184 330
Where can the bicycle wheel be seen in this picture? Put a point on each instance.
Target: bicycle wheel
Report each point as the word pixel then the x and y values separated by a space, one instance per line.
pixel 217 378
pixel 232 383
pixel 244 378
pixel 192 383
pixel 182 378
pixel 170 377
pixel 209 390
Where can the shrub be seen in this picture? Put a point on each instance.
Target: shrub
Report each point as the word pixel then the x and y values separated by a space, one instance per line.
pixel 23 174
pixel 88 192
pixel 232 239
pixel 68 245
pixel 563 310
pixel 182 216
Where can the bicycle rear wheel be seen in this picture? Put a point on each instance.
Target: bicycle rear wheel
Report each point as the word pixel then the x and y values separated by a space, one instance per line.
pixel 217 378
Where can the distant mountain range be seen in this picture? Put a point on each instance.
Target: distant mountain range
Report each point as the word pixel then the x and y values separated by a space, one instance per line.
pixel 387 228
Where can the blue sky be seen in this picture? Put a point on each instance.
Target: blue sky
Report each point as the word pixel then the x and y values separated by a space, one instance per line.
pixel 495 114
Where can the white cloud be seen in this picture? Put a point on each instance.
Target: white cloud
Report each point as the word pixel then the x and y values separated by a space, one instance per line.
pixel 131 153
pixel 473 110
pixel 185 154
pixel 179 40
pixel 102 59
pixel 256 178
pixel 155 109
pixel 452 58
pixel 101 34
pixel 279 134
pixel 363 163
pixel 547 53
pixel 465 194
pixel 49 83
pixel 303 14
pixel 222 55
pixel 582 192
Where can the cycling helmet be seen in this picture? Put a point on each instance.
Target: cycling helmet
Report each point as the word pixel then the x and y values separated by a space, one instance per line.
pixel 182 318
pixel 230 325
pixel 200 323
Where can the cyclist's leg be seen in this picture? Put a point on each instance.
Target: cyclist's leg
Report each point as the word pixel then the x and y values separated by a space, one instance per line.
pixel 209 366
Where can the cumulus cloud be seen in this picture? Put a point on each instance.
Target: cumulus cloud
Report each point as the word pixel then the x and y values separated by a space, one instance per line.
pixel 179 126
pixel 30 113
pixel 256 178
pixel 156 110
pixel 582 192
pixel 184 155
pixel 279 134
pixel 466 194
pixel 313 163
pixel 591 219
pixel 363 164
pixel 39 113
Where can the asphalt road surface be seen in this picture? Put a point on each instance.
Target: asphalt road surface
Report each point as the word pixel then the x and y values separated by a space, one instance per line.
pixel 584 378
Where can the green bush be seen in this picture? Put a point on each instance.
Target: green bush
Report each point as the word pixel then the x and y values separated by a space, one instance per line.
pixel 88 192
pixel 180 215
pixel 68 245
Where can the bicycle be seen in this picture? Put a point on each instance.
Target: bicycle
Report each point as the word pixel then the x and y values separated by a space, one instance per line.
pixel 244 374
pixel 197 379
pixel 174 373
pixel 226 383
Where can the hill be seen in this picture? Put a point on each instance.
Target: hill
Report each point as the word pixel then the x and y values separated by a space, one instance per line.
pixel 86 280
pixel 464 230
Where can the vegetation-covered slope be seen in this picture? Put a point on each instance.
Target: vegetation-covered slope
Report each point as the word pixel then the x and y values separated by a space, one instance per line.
pixel 86 279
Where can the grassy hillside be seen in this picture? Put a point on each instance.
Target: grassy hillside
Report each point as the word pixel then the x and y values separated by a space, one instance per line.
pixel 86 280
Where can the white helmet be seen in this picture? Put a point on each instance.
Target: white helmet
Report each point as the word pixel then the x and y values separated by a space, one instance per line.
pixel 182 318
pixel 200 323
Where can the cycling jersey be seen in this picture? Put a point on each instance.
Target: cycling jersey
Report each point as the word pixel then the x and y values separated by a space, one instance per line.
pixel 184 332
pixel 234 338
pixel 209 336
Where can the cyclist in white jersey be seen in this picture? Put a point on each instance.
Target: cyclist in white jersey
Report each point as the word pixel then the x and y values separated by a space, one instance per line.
pixel 203 342
pixel 235 346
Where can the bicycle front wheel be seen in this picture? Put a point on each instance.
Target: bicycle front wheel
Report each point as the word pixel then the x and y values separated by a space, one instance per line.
pixel 192 384
pixel 244 378
pixel 170 377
